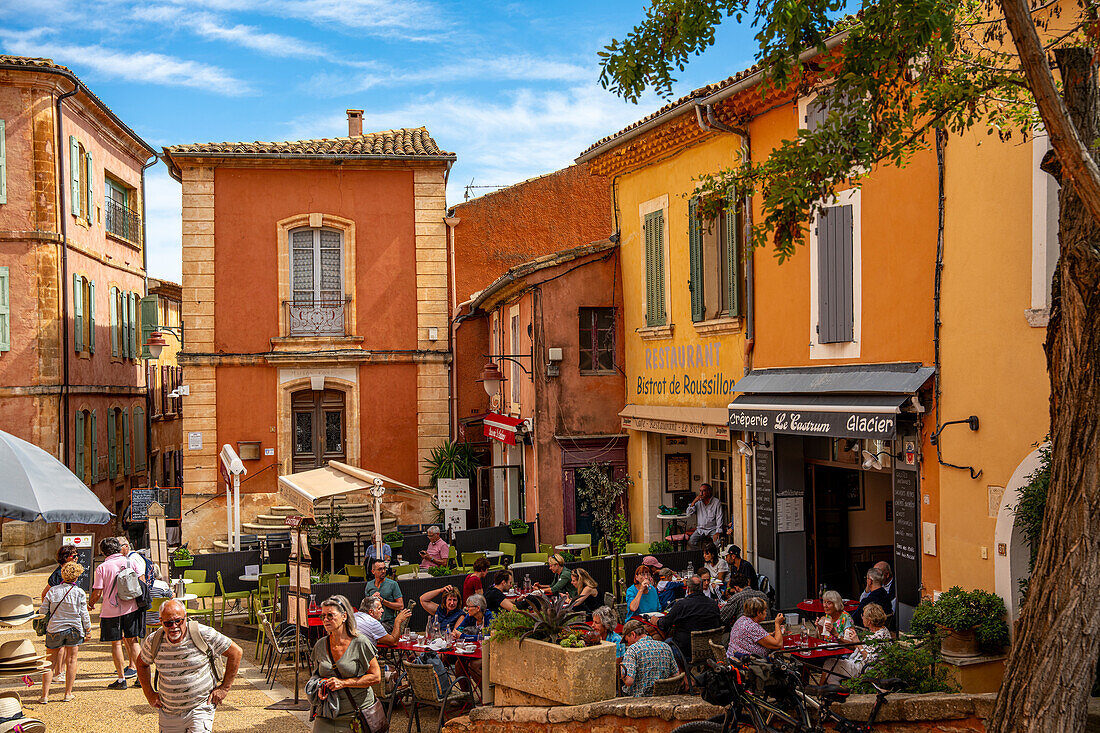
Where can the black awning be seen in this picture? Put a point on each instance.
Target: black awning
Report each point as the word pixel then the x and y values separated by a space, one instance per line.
pixel 896 378
pixel 829 415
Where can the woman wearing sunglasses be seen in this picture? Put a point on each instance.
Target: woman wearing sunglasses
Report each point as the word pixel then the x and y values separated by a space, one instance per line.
pixel 344 668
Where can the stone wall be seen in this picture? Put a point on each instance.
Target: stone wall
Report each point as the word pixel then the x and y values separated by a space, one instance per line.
pixel 34 543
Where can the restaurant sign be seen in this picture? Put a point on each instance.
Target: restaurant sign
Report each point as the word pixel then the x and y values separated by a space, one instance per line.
pixel 839 424
pixel 675 427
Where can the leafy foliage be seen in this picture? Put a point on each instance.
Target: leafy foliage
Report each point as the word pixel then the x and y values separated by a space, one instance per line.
pixel 661 546
pixel 451 460
pixel 914 661
pixel 327 529
pixel 511 625
pixel 181 553
pixel 1032 508
pixel 961 610
pixel 439 571
pixel 518 524
pixel 391 537
pixel 551 619
pixel 619 535
pixel 600 494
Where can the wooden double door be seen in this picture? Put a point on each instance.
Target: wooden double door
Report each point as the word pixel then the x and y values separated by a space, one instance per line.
pixel 319 425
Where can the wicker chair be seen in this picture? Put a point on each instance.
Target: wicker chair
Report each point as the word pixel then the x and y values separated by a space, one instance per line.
pixel 700 644
pixel 425 687
pixel 621 610
pixel 717 651
pixel 668 686
pixel 609 599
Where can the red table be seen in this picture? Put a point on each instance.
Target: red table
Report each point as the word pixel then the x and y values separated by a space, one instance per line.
pixel 796 641
pixel 816 606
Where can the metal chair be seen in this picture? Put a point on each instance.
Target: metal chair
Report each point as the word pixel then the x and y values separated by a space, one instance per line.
pixel 198 576
pixel 265 599
pixel 621 610
pixel 358 572
pixel 278 647
pixel 237 595
pixel 509 550
pixel 154 609
pixel 427 689
pixel 668 686
pixel 204 591
pixel 534 557
pixel 609 599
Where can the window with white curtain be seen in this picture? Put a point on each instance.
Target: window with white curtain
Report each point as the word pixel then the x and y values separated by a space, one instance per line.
pixel 317 266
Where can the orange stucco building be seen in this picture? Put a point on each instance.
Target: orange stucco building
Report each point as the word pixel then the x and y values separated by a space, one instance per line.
pixel 315 308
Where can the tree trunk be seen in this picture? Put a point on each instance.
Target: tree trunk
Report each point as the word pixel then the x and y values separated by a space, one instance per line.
pixel 1050 669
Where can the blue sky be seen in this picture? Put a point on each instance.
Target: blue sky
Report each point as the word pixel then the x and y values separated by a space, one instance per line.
pixel 511 87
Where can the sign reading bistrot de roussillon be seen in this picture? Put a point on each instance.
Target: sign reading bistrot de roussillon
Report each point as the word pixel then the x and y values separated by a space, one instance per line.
pixel 846 424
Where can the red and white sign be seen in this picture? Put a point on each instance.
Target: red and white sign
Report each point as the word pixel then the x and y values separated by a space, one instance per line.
pixel 502 427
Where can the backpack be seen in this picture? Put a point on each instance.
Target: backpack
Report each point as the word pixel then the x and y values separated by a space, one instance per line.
pixel 145 600
pixel 128 585
pixel 217 663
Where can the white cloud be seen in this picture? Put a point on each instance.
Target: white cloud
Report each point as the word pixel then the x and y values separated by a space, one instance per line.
pixel 163 213
pixel 136 66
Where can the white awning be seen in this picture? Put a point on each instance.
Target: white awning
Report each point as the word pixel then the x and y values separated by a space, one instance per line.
pixel 303 489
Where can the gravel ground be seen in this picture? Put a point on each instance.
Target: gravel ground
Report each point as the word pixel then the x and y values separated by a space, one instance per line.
pixel 96 709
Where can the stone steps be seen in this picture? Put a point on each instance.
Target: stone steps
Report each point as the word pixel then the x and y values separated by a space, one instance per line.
pixel 10 568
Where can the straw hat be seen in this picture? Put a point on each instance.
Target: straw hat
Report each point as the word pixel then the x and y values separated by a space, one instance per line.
pixel 33 666
pixel 23 725
pixel 16 610
pixel 18 652
pixel 10 705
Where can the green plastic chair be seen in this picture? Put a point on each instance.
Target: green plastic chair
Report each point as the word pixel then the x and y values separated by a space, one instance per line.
pixel 409 569
pixel 586 553
pixel 337 578
pixel 509 550
pixel 237 595
pixel 204 591
pixel 359 572
pixel 640 548
pixel 199 576
pixel 266 595
pixel 468 560
pixel 578 539
pixel 548 549
pixel 452 557
pixel 279 568
pixel 534 557
pixel 155 610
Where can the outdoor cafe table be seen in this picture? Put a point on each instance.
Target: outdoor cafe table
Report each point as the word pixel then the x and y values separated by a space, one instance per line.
pixel 808 644
pixel 491 554
pixel 415 576
pixel 816 606
pixel 570 547
pixel 515 565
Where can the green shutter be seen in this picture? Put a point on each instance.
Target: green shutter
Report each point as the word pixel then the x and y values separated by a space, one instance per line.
pixel 695 257
pixel 78 441
pixel 89 307
pixel 139 440
pixel 78 314
pixel 95 448
pixel 150 315
pixel 5 311
pixel 126 444
pixel 659 269
pixel 733 259
pixel 131 305
pixel 91 191
pixel 114 321
pixel 112 443
pixel 3 166
pixel 74 175
pixel 124 324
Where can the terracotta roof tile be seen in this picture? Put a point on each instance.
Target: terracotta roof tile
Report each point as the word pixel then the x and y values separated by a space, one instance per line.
pixel 405 142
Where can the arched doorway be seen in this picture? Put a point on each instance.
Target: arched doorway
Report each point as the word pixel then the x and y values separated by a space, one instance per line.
pixel 318 428
pixel 1010 562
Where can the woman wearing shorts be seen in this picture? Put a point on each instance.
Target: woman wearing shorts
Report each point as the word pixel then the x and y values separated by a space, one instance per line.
pixel 69 625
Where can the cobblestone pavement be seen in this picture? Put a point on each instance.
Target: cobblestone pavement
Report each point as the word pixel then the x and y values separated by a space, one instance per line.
pixel 96 709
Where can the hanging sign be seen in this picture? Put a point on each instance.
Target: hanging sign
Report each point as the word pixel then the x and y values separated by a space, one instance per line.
pixel 841 424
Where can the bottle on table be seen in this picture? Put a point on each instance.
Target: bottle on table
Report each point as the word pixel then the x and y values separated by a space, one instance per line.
pixel 527 583
pixel 690 570
pixel 313 607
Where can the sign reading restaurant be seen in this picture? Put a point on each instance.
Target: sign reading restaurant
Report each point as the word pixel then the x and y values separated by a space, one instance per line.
pixel 840 424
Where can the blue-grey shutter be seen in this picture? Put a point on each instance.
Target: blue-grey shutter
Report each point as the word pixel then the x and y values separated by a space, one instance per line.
pixel 733 259
pixel 114 321
pixel 131 304
pixel 695 259
pixel 91 190
pixel 817 111
pixel 150 317
pixel 836 316
pixel 95 448
pixel 5 310
pixel 112 443
pixel 75 162
pixel 89 309
pixel 126 441
pixel 3 166
pixel 139 440
pixel 78 314
pixel 78 442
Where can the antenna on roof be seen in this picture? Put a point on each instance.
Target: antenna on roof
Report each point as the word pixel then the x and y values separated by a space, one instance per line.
pixel 471 185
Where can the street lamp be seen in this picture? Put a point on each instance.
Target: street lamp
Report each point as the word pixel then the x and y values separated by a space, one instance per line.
pixel 155 344
pixel 490 378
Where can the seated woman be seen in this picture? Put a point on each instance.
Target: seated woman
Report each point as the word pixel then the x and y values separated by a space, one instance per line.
pixel 642 596
pixel 604 622
pixel 563 578
pixel 748 637
pixel 715 564
pixel 874 618
pixel 477 617
pixel 587 593
pixel 836 621
pixel 710 589
pixel 446 613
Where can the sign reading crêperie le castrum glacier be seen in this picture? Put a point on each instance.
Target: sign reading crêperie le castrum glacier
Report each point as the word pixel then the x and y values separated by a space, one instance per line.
pixel 692 370
pixel 840 424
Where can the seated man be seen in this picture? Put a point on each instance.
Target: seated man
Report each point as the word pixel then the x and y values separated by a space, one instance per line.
pixel 737 565
pixel 372 551
pixel 646 660
pixel 740 591
pixel 494 594
pixel 887 585
pixel 368 621
pixel 707 510
pixel 668 587
pixel 438 552
pixel 695 612
pixel 874 593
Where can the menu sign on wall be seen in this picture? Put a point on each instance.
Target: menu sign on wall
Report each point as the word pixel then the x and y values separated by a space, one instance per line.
pixel 846 424
pixel 906 536
pixel 763 480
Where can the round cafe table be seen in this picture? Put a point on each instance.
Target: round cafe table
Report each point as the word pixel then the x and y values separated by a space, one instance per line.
pixel 250 578
pixel 810 647
pixel 492 554
pixel 816 606
pixel 415 576
pixel 515 565
pixel 570 547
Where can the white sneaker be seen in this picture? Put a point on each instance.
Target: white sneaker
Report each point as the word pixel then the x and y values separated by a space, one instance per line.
pixel 59 679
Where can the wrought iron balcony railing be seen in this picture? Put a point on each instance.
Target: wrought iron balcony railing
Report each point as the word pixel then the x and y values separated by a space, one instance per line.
pixel 122 221
pixel 316 317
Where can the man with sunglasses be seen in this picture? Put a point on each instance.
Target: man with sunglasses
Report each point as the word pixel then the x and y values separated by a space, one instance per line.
pixel 187 687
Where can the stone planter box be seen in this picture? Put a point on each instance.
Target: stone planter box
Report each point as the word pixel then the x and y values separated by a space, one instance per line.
pixel 551 673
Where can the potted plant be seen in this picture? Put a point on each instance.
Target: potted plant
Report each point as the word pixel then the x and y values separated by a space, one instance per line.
pixel 544 656
pixel 660 546
pixel 518 526
pixel 181 558
pixel 394 539
pixel 969 622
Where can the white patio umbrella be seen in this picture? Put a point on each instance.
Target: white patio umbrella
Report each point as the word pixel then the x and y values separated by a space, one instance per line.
pixel 34 484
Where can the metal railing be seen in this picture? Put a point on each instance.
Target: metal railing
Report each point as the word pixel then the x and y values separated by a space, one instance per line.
pixel 316 317
pixel 122 221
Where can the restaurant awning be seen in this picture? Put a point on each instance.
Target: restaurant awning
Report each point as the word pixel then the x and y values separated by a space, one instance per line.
pixel 303 489
pixel 894 378
pixel 502 427
pixel 836 416
pixel 699 422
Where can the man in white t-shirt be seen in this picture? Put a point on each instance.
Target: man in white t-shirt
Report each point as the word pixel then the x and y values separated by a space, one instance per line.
pixel 368 621
pixel 187 692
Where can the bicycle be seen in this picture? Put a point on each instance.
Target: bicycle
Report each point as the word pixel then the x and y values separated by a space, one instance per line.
pixel 777 702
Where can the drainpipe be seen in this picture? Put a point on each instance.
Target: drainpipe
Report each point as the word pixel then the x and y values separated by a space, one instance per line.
pixel 452 221
pixel 145 274
pixel 62 182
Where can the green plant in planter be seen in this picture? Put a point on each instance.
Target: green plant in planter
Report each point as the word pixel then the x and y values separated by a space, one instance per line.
pixel 182 558
pixel 601 494
pixel 518 526
pixel 511 625
pixel 551 619
pixel 958 610
pixel 568 556
pixel 439 571
pixel 661 546
pixel 394 539
pixel 914 661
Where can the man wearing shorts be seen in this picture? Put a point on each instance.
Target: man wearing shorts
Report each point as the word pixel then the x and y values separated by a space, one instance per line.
pixel 119 621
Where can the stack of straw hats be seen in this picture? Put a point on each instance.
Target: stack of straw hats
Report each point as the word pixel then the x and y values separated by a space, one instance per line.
pixel 18 658
pixel 12 718
pixel 16 610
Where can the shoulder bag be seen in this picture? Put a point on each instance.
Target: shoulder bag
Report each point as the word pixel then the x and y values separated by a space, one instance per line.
pixel 39 624
pixel 369 719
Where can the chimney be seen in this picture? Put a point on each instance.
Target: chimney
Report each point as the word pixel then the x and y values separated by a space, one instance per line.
pixel 355 122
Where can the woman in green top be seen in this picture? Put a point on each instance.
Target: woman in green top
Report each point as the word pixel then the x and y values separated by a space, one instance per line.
pixel 564 583
pixel 346 663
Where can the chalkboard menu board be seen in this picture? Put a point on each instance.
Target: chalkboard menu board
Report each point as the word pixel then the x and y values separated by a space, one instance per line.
pixel 764 480
pixel 140 499
pixel 906 536
pixel 84 549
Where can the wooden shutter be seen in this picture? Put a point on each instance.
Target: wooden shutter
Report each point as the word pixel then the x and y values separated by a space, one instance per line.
pixel 150 317
pixel 89 309
pixel 695 258
pixel 835 314
pixel 75 162
pixel 114 321
pixel 302 281
pixel 78 441
pixel 5 310
pixel 177 467
pixel 3 166
pixel 91 190
pixel 94 448
pixel 78 314
pixel 732 258
pixel 126 440
pixel 139 439
pixel 817 111
pixel 655 268
pixel 131 304
pixel 112 443
pixel 330 266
